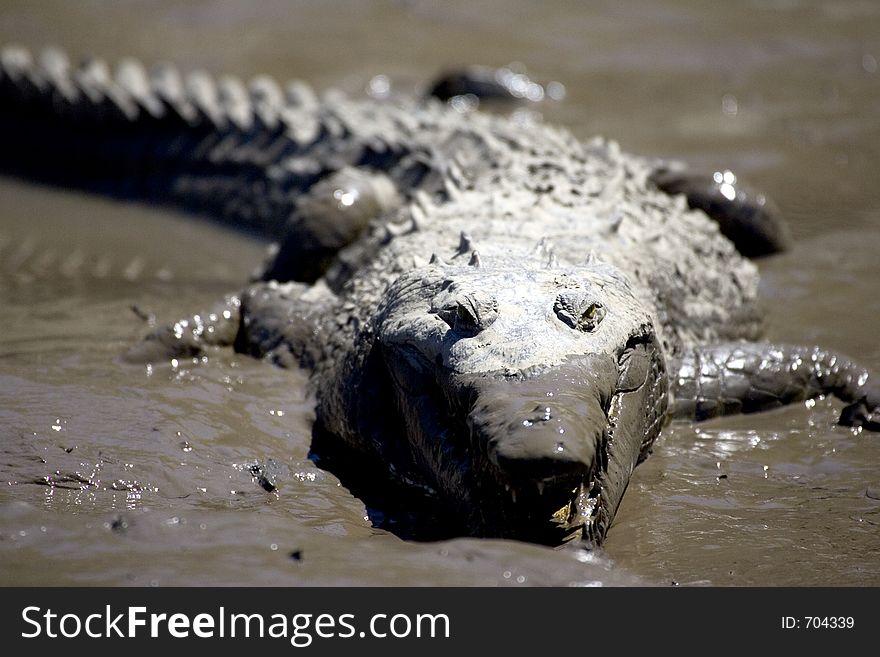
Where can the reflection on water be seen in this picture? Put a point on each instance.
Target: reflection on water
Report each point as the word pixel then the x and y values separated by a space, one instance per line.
pixel 123 474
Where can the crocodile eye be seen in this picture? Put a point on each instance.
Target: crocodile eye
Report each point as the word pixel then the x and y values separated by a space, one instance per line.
pixel 591 317
pixel 469 314
pixel 579 311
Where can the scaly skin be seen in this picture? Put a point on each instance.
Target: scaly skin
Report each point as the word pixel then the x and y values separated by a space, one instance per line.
pixel 500 314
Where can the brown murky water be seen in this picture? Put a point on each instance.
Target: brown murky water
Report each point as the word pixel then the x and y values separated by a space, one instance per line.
pixel 114 474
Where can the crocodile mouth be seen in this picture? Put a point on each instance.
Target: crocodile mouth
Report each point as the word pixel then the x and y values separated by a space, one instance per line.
pixel 529 455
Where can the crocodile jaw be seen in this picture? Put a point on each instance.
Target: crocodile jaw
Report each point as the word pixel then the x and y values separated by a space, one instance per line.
pixel 539 445
pixel 543 455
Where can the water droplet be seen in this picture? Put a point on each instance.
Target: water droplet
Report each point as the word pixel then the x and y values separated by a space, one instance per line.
pixel 559 446
pixel 520 579
pixel 379 86
pixel 506 574
pixel 346 197
pixel 534 92
pixel 556 90
pixel 729 105
pixel 273 547
pixel 464 104
pixel 518 85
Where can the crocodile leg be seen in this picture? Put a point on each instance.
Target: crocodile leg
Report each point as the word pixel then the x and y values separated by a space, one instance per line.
pixel 268 320
pixel 725 379
pixel 747 218
pixel 335 212
pixel 191 336
pixel 284 322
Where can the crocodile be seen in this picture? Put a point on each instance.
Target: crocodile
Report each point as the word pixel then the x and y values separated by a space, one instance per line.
pixel 498 317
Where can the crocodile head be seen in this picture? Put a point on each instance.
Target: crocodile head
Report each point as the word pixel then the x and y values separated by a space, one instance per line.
pixel 527 394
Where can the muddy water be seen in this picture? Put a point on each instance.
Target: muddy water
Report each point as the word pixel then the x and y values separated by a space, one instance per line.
pixel 116 474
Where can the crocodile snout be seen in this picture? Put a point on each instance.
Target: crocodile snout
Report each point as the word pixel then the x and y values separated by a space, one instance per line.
pixel 546 429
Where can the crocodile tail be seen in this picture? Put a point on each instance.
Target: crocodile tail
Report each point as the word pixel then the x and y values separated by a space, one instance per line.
pixel 214 146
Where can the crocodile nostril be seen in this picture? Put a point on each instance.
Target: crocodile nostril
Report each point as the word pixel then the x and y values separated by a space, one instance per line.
pixel 469 314
pixel 580 310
